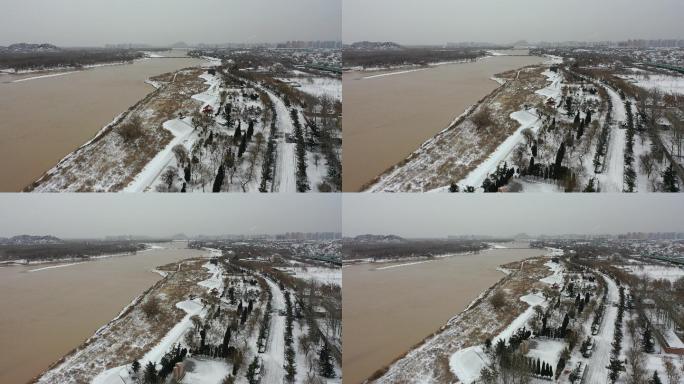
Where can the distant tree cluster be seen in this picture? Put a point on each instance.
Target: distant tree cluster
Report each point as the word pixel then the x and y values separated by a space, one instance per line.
pixel 406 56
pixel 73 58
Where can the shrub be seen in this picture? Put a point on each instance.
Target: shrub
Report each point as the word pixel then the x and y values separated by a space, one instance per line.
pixel 497 299
pixel 151 307
pixel 482 118
pixel 131 130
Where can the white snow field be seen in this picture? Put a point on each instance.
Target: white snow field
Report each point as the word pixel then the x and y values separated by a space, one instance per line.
pixel 665 83
pixel 654 272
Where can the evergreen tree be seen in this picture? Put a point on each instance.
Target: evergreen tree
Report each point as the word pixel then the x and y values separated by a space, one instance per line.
pixel 325 366
pixel 453 188
pixel 590 185
pixel 576 122
pixel 559 159
pixel 250 129
pixel 150 373
pixel 218 181
pixel 615 366
pixel 580 130
pixel 251 372
pixel 531 169
pixel 226 339
pixel 587 119
pixel 655 379
pixel 188 172
pixel 135 367
pixel 647 341
pixel 237 135
pixel 243 146
pixel 183 188
pixel 670 183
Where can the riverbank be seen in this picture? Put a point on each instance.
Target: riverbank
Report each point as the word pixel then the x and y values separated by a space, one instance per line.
pixel 419 297
pixel 109 162
pixel 58 308
pixel 47 118
pixel 404 110
pixel 107 347
pixel 470 139
pixel 430 359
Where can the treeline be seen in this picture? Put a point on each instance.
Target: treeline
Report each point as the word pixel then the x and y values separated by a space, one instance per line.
pixel 75 58
pixel 34 252
pixel 407 56
pixel 417 248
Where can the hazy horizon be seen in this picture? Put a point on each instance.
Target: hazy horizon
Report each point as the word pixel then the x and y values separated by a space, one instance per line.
pixel 74 216
pixel 83 23
pixel 499 21
pixel 441 215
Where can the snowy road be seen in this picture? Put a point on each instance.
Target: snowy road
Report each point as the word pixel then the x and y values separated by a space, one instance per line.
pixel 614 164
pixel 286 163
pixel 596 365
pixel 274 359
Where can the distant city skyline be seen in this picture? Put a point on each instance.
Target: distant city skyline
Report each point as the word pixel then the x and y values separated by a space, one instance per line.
pixel 433 22
pixel 85 23
pixel 442 215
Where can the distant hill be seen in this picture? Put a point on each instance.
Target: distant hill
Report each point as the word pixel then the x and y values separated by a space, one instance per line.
pixel 30 48
pixel 375 46
pixel 30 240
pixel 379 239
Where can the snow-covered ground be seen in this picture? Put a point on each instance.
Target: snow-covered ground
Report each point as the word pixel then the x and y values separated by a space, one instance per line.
pixel 182 132
pixel 318 86
pixel 665 83
pixel 174 336
pixel 526 119
pixel 117 374
pixel 654 272
pixel 318 274
pixel 467 363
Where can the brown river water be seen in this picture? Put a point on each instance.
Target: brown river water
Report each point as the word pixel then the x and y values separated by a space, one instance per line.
pixel 387 118
pixel 387 311
pixel 47 313
pixel 42 120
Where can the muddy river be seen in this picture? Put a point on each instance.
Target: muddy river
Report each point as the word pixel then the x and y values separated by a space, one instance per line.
pixel 44 119
pixel 388 117
pixel 47 313
pixel 388 310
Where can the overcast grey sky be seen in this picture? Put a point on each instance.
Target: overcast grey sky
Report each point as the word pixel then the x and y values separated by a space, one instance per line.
pixel 157 22
pixel 97 215
pixel 439 215
pixel 502 21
